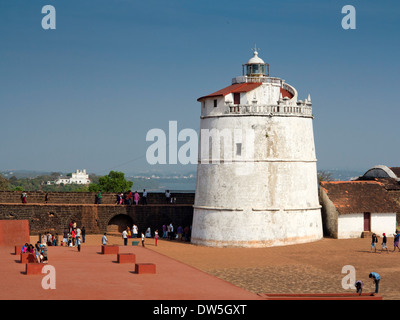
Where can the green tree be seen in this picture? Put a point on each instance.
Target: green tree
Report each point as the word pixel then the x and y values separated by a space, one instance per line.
pixel 4 183
pixel 113 182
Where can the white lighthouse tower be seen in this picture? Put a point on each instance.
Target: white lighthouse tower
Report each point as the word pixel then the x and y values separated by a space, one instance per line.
pixel 256 176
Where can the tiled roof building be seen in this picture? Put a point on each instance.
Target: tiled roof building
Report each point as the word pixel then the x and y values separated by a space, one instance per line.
pixel 350 208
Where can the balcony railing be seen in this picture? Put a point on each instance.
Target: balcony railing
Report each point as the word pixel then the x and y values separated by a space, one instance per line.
pixel 302 110
pixel 263 79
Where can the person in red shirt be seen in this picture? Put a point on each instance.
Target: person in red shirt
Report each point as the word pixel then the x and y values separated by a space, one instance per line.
pixel 73 233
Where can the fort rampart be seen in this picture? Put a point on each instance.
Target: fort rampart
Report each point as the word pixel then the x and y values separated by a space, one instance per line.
pixel 63 207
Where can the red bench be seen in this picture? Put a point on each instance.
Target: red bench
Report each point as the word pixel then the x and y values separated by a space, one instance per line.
pixel 27 257
pixel 126 258
pixel 18 250
pixel 33 268
pixel 109 249
pixel 143 268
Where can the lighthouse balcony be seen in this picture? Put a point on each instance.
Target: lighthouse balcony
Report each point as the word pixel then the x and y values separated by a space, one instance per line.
pixel 270 110
pixel 263 79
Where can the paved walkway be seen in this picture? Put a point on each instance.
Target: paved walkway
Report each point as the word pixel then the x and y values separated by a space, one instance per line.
pixel 91 275
pixel 186 271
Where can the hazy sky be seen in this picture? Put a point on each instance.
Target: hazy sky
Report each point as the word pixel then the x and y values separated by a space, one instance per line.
pixel 84 96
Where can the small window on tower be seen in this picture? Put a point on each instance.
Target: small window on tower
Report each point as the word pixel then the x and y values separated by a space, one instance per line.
pixel 215 103
pixel 236 98
pixel 238 149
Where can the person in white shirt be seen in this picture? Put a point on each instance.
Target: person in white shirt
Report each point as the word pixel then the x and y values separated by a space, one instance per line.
pixel 125 237
pixel 135 231
pixel 144 197
pixel 104 239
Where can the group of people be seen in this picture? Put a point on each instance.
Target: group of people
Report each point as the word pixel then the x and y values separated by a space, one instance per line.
pixel 49 239
pixel 126 198
pixel 374 242
pixel 39 250
pixel 181 234
pixel 375 277
pixel 169 232
pixel 134 233
pixel 74 236
pixel 130 197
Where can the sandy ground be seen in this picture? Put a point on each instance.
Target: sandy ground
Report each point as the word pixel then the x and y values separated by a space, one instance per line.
pixel 304 268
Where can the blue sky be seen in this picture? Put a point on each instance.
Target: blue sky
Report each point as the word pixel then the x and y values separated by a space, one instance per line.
pixel 85 94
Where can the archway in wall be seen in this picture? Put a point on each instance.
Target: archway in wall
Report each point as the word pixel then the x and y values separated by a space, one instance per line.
pixel 118 223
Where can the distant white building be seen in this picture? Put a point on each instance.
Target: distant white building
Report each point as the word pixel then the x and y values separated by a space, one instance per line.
pixel 78 177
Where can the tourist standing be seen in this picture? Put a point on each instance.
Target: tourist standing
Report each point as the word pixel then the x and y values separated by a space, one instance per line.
pixel 171 231
pixel 73 235
pixel 144 197
pixel 148 233
pixel 136 197
pixel 179 231
pixel 135 231
pixel 46 198
pixel 118 199
pixel 65 237
pixel 167 196
pixel 125 237
pixel 156 237
pixel 24 197
pixel 164 228
pixel 78 234
pixel 99 198
pixel 130 198
pixel 78 243
pixel 55 240
pixel 187 233
pixel 142 239
pixel 83 234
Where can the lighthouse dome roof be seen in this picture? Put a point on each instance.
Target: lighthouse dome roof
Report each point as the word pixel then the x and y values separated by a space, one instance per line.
pixel 255 59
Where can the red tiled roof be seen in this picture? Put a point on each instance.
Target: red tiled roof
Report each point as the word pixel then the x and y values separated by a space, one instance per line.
pixel 396 171
pixel 235 88
pixel 359 197
pixel 286 93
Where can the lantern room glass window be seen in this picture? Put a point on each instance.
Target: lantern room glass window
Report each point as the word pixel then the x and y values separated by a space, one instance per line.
pixel 255 69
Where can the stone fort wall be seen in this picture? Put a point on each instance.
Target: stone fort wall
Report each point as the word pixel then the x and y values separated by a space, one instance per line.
pixel 87 197
pixel 63 207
